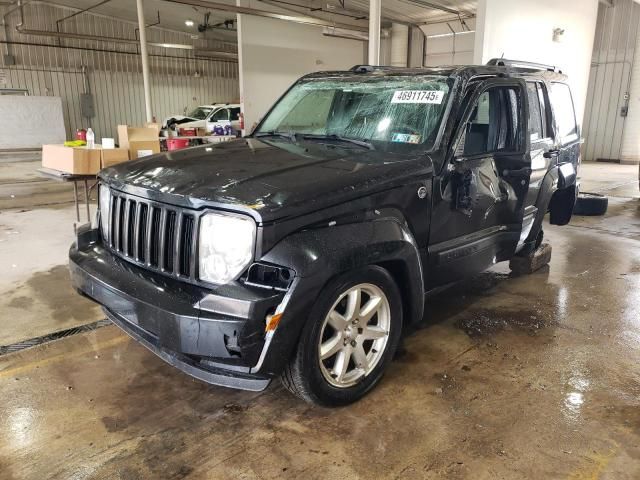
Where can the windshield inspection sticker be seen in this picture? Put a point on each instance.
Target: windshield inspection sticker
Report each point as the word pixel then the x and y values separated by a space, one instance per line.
pixel 418 96
pixel 405 138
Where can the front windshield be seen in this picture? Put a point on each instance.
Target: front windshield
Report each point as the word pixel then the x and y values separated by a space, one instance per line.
pixel 390 112
pixel 200 113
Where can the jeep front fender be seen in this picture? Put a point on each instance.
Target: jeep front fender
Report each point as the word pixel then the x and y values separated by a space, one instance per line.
pixel 318 255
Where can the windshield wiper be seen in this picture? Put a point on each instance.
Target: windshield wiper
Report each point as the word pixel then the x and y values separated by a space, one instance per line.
pixel 334 137
pixel 272 133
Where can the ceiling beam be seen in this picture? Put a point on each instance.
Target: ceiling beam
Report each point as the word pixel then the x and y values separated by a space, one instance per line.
pixel 435 6
pixel 304 19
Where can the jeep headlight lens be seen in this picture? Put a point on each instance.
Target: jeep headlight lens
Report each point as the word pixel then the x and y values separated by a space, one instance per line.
pixel 226 245
pixel 104 195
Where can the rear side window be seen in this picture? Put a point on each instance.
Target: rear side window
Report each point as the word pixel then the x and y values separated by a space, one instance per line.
pixel 235 114
pixel 565 115
pixel 536 124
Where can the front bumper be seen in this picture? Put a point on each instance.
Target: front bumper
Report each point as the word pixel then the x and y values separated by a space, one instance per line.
pixel 215 335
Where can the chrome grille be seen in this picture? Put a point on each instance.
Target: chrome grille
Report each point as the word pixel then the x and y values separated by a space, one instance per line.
pixel 154 235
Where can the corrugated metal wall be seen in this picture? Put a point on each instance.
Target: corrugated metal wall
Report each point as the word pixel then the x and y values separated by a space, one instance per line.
pixel 610 80
pixel 49 66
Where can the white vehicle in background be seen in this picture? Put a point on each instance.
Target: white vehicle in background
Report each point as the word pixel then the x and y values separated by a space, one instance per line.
pixel 208 117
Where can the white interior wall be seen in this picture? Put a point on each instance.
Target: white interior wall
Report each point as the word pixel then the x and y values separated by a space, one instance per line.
pixel 273 54
pixel 523 30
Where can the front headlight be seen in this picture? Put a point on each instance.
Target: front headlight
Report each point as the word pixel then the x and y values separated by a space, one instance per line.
pixel 226 245
pixel 104 195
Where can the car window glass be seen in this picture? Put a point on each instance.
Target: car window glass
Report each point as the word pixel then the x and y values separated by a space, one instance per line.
pixel 310 112
pixel 235 113
pixel 219 115
pixel 563 108
pixel 544 110
pixel 393 113
pixel 494 123
pixel 200 113
pixel 536 131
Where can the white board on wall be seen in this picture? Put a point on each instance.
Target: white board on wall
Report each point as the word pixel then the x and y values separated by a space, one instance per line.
pixel 30 122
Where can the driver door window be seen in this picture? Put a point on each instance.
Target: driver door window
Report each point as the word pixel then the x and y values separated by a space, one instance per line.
pixel 494 123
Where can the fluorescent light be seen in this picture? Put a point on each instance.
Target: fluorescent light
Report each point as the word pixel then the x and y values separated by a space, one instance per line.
pixel 189 23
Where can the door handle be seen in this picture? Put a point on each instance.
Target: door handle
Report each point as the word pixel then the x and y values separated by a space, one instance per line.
pixel 551 154
pixel 523 172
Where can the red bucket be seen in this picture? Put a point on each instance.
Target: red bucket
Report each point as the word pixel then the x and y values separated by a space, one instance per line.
pixel 177 143
pixel 187 132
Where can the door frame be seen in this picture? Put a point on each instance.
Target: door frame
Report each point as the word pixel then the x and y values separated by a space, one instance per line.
pixel 462 252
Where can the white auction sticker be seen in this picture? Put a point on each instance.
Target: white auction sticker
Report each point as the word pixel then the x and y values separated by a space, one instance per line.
pixel 418 96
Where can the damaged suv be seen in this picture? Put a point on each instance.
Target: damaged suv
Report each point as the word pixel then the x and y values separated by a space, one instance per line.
pixel 304 249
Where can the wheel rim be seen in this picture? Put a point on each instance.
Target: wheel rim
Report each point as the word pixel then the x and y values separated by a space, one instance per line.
pixel 354 335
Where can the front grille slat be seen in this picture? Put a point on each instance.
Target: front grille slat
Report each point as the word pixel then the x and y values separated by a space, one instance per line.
pixel 149 235
pixel 143 253
pixel 156 236
pixel 117 221
pixel 136 232
pixel 127 236
pixel 163 239
pixel 186 246
pixel 194 243
pixel 169 241
pixel 178 243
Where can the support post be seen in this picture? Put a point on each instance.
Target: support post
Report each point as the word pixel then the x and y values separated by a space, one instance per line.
pixel 145 61
pixel 375 10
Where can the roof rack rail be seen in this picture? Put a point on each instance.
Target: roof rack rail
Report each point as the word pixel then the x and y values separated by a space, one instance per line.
pixel 504 62
pixel 372 68
pixel 362 68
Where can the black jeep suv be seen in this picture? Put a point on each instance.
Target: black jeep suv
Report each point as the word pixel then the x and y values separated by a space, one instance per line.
pixel 302 250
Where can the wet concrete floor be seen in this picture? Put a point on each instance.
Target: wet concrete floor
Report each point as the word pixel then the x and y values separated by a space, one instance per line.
pixel 535 376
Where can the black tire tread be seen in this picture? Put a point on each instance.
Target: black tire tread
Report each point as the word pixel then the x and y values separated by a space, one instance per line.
pixel 591 204
pixel 293 378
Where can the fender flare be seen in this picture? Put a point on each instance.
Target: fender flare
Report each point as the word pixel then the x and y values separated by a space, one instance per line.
pixel 318 255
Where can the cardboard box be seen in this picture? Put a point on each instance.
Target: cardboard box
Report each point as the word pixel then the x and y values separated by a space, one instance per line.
pixel 113 156
pixel 140 141
pixel 77 160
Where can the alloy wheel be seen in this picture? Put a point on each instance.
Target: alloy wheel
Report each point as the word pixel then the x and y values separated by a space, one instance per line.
pixel 354 335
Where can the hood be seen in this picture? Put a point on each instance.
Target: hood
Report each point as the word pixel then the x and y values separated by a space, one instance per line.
pixel 267 179
pixel 191 123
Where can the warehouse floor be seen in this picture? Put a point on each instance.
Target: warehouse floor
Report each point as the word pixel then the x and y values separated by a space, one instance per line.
pixel 510 377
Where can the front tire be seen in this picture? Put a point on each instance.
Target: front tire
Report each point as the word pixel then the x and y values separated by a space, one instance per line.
pixel 349 339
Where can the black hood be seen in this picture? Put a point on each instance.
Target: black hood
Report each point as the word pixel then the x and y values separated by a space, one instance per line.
pixel 267 179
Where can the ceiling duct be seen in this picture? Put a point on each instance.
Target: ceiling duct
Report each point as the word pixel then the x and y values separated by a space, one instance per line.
pixel 99 38
pixel 303 19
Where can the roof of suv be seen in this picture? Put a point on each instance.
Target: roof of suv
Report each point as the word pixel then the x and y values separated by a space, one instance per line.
pixel 469 71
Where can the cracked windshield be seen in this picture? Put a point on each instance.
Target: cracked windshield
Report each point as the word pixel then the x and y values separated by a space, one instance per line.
pixel 397 114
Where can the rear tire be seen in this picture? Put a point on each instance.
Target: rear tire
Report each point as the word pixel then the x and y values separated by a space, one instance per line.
pixel 344 349
pixel 591 204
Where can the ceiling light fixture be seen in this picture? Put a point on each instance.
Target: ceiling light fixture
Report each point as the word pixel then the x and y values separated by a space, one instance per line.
pixel 189 23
